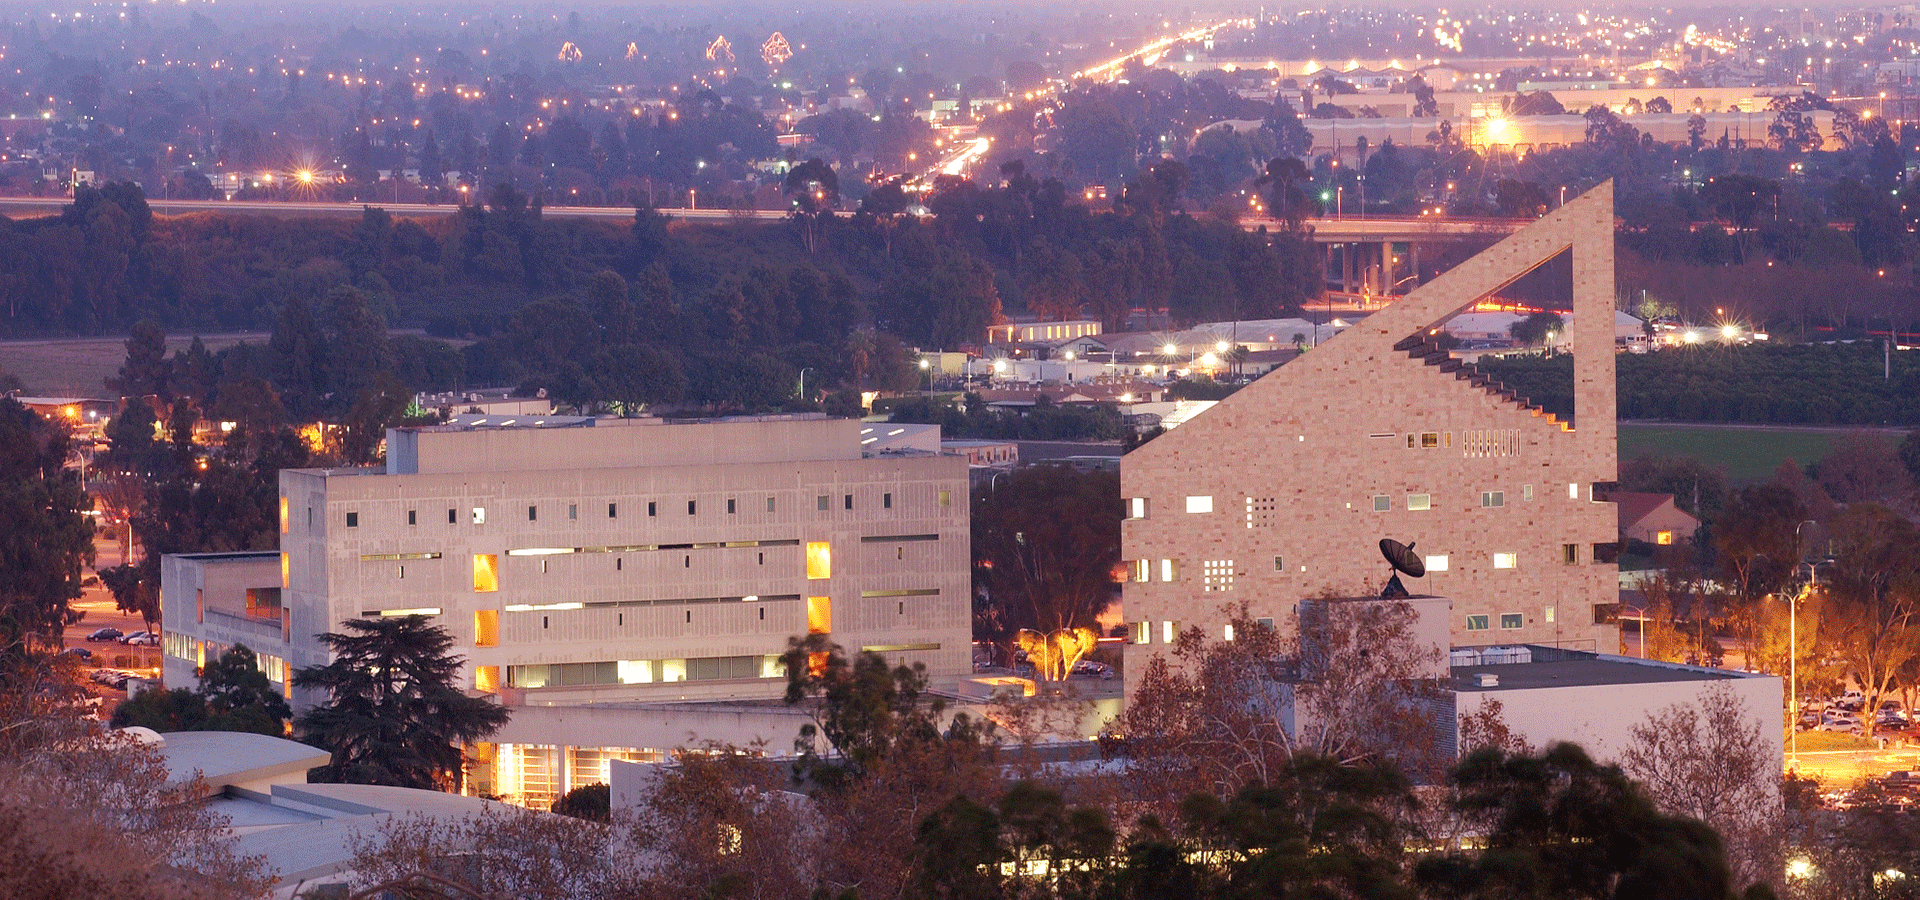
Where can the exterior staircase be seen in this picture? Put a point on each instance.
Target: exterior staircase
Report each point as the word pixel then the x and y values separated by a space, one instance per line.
pixel 1423 347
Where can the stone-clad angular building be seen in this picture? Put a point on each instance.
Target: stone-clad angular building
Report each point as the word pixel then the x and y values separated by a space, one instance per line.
pixel 1284 490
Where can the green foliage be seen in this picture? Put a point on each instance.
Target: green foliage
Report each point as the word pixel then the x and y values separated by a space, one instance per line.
pixel 1561 825
pixel 1812 384
pixel 593 802
pixel 234 695
pixel 45 536
pixel 393 713
pixel 1045 542
pixel 867 711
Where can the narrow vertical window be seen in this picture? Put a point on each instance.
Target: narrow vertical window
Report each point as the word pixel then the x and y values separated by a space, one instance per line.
pixel 886 501
pixel 819 615
pixel 410 518
pixel 573 510
pixel 533 513
pixel 819 560
pixel 486 573
pixel 353 520
pixel 729 506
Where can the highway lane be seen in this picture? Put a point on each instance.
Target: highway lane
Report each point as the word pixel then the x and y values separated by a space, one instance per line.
pixel 36 207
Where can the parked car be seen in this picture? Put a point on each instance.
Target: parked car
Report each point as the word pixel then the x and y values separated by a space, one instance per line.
pixel 141 638
pixel 1851 701
pixel 104 634
pixel 1839 721
pixel 1098 670
pixel 80 652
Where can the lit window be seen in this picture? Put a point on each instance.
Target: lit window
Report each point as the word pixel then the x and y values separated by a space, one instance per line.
pixel 819 615
pixel 1505 560
pixel 1476 623
pixel 283 515
pixel 1493 499
pixel 1664 538
pixel 819 560
pixel 1526 492
pixel 1279 564
pixel 1227 633
pixel 1200 504
pixel 1573 491
pixel 1143 632
pixel 1382 503
pixel 1216 575
pixel 486 628
pixel 1437 563
pixel 479 515
pixel 286 571
pixel 1142 570
pixel 1429 440
pixel 1418 502
pixel 1137 508
pixel 1548 611
pixel 1168 631
pixel 486 573
pixel 946 498
pixel 486 679
pixel 1570 554
pixel 1169 569
pixel 1511 620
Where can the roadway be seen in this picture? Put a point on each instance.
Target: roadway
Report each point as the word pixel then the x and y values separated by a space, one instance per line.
pixel 37 207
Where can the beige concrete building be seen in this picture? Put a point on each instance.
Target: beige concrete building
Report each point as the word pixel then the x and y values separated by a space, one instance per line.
pixel 634 581
pixel 1283 490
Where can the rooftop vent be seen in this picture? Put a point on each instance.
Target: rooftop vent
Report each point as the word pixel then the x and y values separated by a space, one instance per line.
pixel 1487 679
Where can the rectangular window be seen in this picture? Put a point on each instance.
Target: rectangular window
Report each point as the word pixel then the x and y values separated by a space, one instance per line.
pixel 1511 620
pixel 486 628
pixel 1505 560
pixel 1200 504
pixel 946 498
pixel 1573 491
pixel 819 560
pixel 1429 440
pixel 573 511
pixel 1548 613
pixel 653 508
pixel 819 615
pixel 849 501
pixel 486 679
pixel 1476 623
pixel 613 510
pixel 1526 492
pixel 1227 632
pixel 1493 499
pixel 263 603
pixel 1136 507
pixel 410 518
pixel 1663 538
pixel 820 502
pixel 1143 632
pixel 479 515
pixel 690 507
pixel 1570 554
pixel 286 570
pixel 486 573
pixel 1169 570
pixel 1264 622
pixel 533 513
pixel 1279 564
pixel 353 520
pixel 886 501
pixel 284 523
pixel 1418 502
pixel 453 516
pixel 1169 631
pixel 769 504
pixel 1142 571
pixel 1382 503
pixel 1437 563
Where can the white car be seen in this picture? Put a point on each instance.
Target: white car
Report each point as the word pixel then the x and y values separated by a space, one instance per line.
pixel 1838 721
pixel 141 638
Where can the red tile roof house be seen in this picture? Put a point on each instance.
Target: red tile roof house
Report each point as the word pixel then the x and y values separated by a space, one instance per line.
pixel 1653 518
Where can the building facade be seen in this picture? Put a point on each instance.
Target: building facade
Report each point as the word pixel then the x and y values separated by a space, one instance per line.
pixel 601 565
pixel 1283 490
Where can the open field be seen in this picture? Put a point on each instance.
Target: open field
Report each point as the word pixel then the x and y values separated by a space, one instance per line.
pixel 1750 453
pixel 78 367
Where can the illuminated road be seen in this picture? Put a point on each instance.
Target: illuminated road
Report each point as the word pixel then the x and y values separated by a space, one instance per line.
pixel 37 207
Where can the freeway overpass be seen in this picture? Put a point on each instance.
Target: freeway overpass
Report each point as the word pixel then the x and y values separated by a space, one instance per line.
pixel 37 207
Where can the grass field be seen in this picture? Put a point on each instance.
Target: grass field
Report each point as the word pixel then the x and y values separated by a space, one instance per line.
pixel 1748 453
pixel 78 367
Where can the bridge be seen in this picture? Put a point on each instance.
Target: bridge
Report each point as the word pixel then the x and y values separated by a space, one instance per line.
pixel 1370 257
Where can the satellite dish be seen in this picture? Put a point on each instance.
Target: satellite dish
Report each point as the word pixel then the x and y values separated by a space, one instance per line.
pixel 1404 561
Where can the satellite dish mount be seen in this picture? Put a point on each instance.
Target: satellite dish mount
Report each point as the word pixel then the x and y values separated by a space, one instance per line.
pixel 1403 561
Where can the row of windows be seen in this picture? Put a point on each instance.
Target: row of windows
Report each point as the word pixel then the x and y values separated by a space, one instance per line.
pixel 665 671
pixel 478 514
pixel 1170 630
pixel 1507 621
pixel 1217 574
pixel 1260 510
